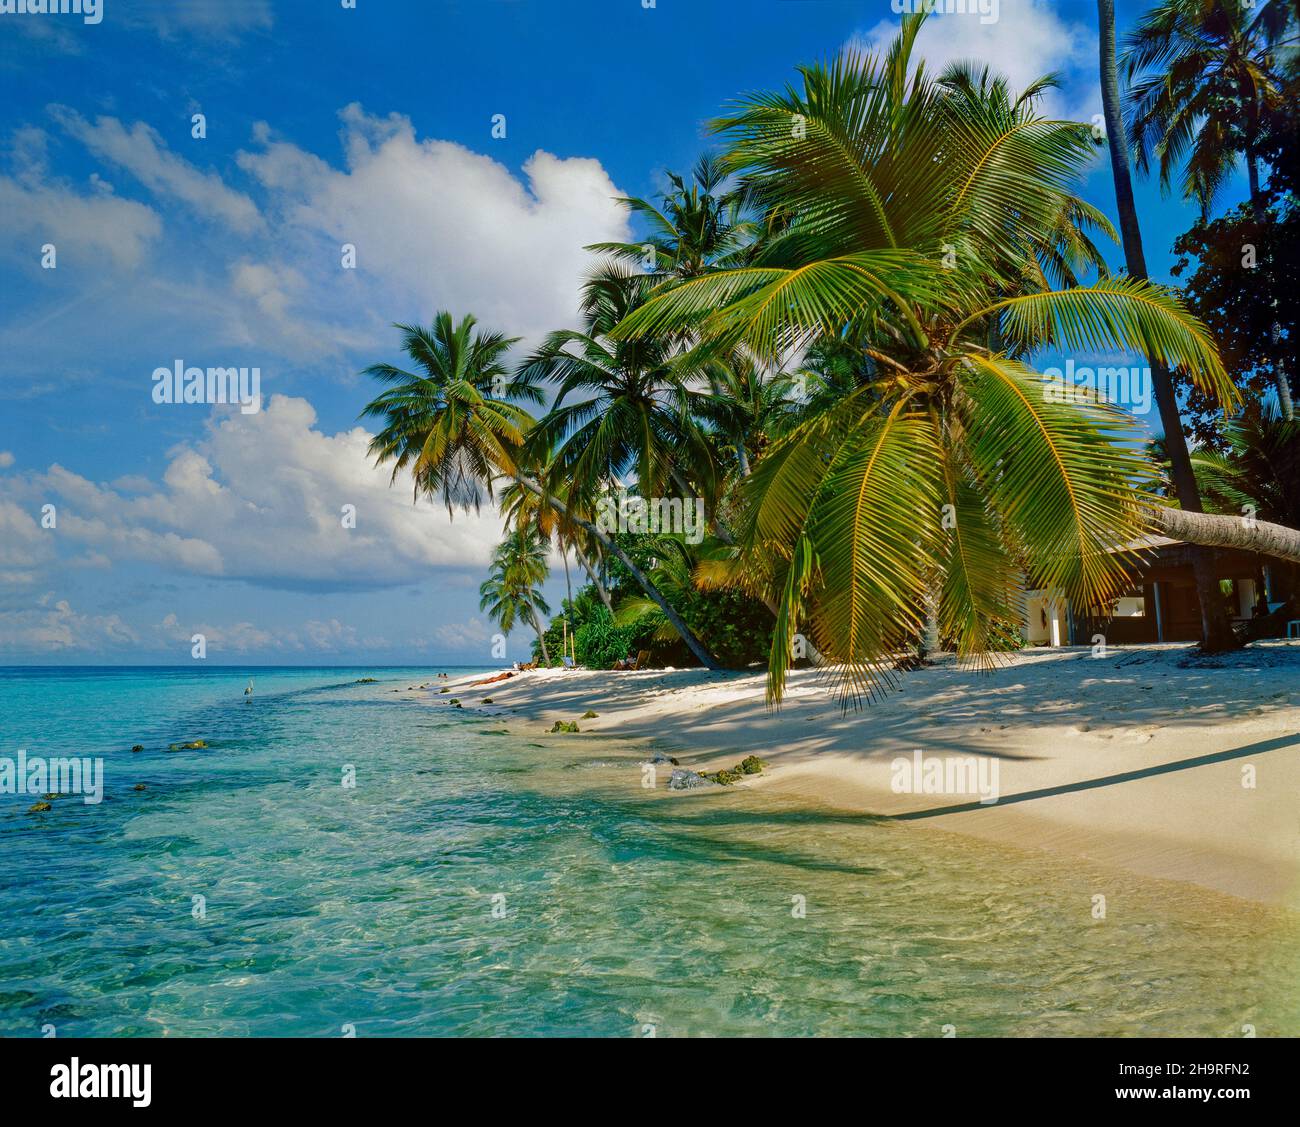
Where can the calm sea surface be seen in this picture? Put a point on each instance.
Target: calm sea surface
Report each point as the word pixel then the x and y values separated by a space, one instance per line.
pixel 484 881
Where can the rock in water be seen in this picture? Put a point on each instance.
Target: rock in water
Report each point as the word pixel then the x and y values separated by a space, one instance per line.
pixel 682 779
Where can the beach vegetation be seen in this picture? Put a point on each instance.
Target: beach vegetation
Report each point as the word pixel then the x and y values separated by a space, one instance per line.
pixel 826 341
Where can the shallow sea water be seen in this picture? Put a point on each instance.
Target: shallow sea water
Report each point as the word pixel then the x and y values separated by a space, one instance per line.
pixel 480 883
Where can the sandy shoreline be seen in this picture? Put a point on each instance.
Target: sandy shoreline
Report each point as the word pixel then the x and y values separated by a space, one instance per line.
pixel 1134 760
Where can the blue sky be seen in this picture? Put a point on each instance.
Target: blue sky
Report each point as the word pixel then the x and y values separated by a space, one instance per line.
pixel 325 125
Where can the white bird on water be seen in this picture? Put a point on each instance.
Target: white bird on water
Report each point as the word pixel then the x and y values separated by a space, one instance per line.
pixel 248 692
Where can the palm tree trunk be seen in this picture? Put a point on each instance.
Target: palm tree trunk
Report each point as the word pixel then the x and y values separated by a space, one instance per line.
pixel 541 637
pixel 594 575
pixel 1215 530
pixel 742 457
pixel 568 586
pixel 1280 378
pixel 701 652
pixel 1216 634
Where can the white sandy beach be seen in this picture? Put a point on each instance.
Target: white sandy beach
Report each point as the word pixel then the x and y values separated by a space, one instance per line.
pixel 1134 760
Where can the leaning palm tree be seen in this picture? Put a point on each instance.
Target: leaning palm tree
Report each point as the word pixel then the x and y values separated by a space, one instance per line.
pixel 453 423
pixel 510 593
pixel 959 470
pixel 1258 471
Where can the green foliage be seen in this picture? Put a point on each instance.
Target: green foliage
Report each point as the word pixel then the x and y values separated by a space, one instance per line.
pixel 598 643
pixel 876 169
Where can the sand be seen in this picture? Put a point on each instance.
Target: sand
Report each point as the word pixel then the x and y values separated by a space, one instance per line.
pixel 1138 759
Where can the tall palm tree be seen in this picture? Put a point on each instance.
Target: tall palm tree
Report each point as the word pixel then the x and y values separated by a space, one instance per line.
pixel 1202 76
pixel 455 425
pixel 510 592
pixel 909 204
pixel 1215 631
pixel 621 407
pixel 522 506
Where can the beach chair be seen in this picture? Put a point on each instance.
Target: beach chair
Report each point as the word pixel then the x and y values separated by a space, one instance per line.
pixel 569 663
pixel 642 659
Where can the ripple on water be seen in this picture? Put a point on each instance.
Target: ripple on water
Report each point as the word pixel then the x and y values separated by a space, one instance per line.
pixel 475 883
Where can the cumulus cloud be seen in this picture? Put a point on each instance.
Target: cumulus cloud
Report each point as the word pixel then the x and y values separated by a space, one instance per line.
pixel 309 638
pixel 85 226
pixel 436 225
pixel 53 626
pixel 261 498
pixel 25 548
pixel 142 151
pixel 1029 39
pixel 473 633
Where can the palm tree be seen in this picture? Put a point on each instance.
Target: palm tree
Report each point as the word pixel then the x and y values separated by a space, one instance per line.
pixel 1202 79
pixel 697 226
pixel 1259 467
pixel 622 406
pixel 522 506
pixel 1215 631
pixel 454 424
pixel 1202 76
pixel 958 468
pixel 510 591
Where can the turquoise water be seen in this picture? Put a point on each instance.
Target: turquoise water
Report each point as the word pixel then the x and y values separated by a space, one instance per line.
pixel 484 878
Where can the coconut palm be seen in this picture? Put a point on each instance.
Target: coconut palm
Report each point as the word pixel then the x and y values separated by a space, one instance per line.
pixel 1215 631
pixel 959 468
pixel 510 593
pixel 520 505
pixel 697 226
pixel 1259 467
pixel 622 407
pixel 455 425
pixel 1202 75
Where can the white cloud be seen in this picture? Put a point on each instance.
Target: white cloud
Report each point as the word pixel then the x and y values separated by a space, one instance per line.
pixel 6 459
pixel 86 230
pixel 311 637
pixel 261 498
pixel 439 226
pixel 26 549
pixel 142 151
pixel 220 19
pixel 52 626
pixel 473 633
pixel 1029 39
